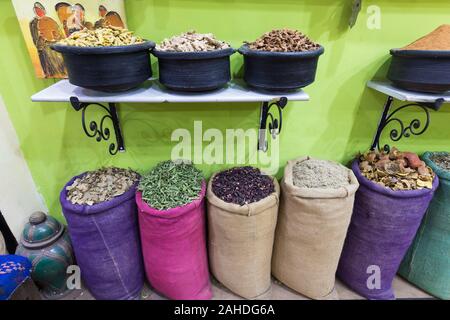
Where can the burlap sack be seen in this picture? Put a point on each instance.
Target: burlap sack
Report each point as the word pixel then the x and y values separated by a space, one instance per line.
pixel 2 245
pixel 240 242
pixel 310 234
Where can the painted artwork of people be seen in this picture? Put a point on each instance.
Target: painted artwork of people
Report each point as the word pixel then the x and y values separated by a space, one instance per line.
pixel 45 31
pixel 76 21
pixel 64 11
pixel 108 18
pixel 46 22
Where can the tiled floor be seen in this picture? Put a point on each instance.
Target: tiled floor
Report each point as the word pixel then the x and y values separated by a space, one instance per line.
pixel 403 290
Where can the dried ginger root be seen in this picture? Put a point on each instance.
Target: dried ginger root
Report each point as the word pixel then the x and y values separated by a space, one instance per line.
pixel 396 170
pixel 192 42
pixel 102 37
pixel 283 40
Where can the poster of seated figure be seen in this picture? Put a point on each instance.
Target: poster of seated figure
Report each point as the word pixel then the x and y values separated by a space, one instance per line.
pixel 46 22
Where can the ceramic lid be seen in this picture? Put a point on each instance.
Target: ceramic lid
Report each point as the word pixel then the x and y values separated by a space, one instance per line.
pixel 41 230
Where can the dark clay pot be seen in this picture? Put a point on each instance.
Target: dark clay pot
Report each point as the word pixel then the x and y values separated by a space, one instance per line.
pixel 194 71
pixel 279 71
pixel 420 70
pixel 109 69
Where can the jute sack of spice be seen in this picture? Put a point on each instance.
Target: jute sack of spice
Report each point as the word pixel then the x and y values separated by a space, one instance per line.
pixel 241 240
pixel 427 262
pixel 311 230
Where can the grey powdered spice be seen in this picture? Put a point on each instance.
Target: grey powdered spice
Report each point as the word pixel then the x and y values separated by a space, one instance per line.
pixel 171 184
pixel 442 160
pixel 101 185
pixel 320 174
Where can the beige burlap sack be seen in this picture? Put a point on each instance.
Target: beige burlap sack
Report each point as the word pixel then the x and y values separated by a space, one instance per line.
pixel 310 234
pixel 2 245
pixel 240 242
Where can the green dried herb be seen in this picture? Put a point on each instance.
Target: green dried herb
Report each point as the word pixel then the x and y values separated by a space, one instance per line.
pixel 171 184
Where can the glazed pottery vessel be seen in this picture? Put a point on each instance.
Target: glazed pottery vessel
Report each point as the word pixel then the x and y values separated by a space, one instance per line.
pixel 46 243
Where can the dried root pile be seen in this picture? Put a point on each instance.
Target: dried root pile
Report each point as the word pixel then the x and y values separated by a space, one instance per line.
pixel 396 170
pixel 101 37
pixel 192 42
pixel 283 40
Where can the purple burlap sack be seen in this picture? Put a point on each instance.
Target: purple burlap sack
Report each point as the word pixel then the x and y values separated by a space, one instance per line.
pixel 383 225
pixel 105 239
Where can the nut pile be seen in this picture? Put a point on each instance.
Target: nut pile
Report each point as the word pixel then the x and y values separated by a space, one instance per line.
pixel 319 174
pixel 242 185
pixel 283 40
pixel 192 42
pixel 396 170
pixel 442 160
pixel 102 37
pixel 171 184
pixel 100 185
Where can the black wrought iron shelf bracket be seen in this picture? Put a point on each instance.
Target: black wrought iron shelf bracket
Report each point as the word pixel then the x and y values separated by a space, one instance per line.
pixel 269 122
pixel 404 130
pixel 100 129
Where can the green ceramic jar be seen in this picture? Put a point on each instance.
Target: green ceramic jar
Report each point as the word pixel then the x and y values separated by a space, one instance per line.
pixel 46 243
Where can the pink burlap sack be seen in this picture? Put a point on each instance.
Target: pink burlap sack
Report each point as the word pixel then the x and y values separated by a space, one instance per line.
pixel 174 249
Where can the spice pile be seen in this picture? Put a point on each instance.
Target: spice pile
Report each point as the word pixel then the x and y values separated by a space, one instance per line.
pixel 242 185
pixel 396 170
pixel 100 185
pixel 171 184
pixel 319 174
pixel 101 37
pixel 192 42
pixel 442 160
pixel 283 40
pixel 439 39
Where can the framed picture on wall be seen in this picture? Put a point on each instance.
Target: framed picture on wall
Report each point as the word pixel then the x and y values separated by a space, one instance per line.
pixel 45 22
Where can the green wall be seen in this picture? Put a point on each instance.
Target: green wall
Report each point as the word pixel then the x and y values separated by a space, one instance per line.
pixel 339 121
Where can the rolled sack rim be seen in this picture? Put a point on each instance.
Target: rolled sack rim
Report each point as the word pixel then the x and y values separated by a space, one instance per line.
pixel 318 193
pixel 247 209
pixel 440 172
pixel 388 191
pixel 84 209
pixel 145 209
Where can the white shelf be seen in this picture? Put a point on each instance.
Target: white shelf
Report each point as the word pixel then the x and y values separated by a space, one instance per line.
pixel 153 92
pixel 387 88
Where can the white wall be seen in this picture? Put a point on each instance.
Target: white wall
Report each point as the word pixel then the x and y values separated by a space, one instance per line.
pixel 18 195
